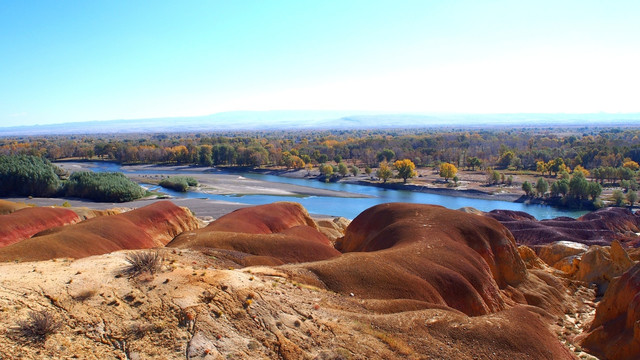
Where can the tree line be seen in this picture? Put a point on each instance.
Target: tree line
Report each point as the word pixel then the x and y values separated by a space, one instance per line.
pixel 536 149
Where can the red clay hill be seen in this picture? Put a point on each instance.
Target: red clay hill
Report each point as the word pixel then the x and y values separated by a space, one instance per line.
pixel 402 256
pixel 150 226
pixel 272 234
pixel 26 222
pixel 600 227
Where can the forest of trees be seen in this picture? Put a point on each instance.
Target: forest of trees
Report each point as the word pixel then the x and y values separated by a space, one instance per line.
pixel 25 175
pixel 521 149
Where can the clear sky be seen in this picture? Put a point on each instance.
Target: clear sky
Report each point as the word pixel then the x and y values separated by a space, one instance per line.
pixel 63 61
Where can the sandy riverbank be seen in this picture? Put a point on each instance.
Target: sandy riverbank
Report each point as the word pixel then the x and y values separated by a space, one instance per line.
pixel 424 184
pixel 215 181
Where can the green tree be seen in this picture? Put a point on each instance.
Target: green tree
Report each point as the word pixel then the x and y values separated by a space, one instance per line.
pixel 541 187
pixel 594 189
pixel 342 169
pixel 354 170
pixel 632 197
pixel 205 155
pixel 473 162
pixel 384 172
pixel 527 188
pixel 406 169
pixel 367 170
pixel 618 197
pixel 506 158
pixel 386 155
pixel 578 186
pixel 448 170
pixel 493 176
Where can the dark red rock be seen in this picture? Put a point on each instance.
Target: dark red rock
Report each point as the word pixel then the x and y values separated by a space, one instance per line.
pixel 596 228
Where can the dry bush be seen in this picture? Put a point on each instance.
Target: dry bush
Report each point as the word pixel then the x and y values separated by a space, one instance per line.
pixel 38 326
pixel 142 262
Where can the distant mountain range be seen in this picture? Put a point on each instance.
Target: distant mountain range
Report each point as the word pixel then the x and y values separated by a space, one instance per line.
pixel 297 120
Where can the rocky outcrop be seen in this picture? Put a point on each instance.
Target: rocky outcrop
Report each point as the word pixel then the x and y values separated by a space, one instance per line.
pixel 25 222
pixel 556 251
pixel 615 331
pixel 530 258
pixel 332 228
pixel 150 226
pixel 271 234
pixel 596 228
pixel 596 264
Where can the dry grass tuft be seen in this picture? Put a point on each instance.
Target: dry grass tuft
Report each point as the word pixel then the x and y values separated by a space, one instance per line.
pixel 38 326
pixel 142 262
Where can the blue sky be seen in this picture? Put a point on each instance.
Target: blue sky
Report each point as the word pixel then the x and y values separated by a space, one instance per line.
pixel 64 61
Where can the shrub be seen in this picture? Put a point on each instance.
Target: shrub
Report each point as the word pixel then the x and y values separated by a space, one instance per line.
pixel 179 183
pixel 38 326
pixel 142 262
pixel 105 186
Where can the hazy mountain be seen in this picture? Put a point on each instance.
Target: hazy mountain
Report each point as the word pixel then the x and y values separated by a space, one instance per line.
pixel 292 120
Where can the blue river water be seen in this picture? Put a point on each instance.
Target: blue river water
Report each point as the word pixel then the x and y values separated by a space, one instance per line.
pixel 351 207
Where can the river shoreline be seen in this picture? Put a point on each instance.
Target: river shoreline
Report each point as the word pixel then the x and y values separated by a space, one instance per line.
pixel 253 186
pixel 409 186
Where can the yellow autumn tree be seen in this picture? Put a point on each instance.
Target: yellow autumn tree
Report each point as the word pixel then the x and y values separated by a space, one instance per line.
pixel 384 172
pixel 406 169
pixel 582 170
pixel 628 163
pixel 448 170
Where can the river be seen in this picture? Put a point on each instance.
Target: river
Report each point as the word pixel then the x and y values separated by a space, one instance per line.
pixel 349 207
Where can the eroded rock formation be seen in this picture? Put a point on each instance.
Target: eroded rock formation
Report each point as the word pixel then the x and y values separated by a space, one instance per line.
pixel 615 331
